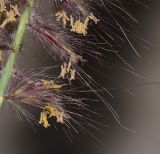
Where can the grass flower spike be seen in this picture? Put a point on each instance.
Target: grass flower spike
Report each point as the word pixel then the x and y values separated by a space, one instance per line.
pixel 66 97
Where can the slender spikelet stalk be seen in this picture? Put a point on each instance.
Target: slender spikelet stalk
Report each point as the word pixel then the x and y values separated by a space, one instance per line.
pixel 7 71
pixel 56 45
pixel 51 38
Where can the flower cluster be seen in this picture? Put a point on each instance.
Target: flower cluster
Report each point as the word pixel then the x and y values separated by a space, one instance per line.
pixel 54 98
pixel 10 15
pixel 76 24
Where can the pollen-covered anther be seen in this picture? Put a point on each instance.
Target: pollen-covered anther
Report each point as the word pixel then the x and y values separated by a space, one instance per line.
pixel 1 56
pixel 62 15
pixel 51 110
pixel 55 111
pixel 11 15
pixel 15 9
pixel 63 70
pixel 81 27
pixel 73 74
pixel 2 6
pixel 67 69
pixel 19 91
pixel 94 18
pixel 1 98
pixel 44 119
pixel 78 26
pixel 50 85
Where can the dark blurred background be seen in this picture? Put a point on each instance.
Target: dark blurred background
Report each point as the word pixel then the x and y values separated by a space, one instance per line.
pixel 137 104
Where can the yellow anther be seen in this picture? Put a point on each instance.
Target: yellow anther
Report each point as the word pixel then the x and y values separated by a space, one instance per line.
pixel 2 6
pixel 78 27
pixel 73 74
pixel 94 18
pixel 11 15
pixel 50 85
pixel 44 120
pixel 1 56
pixel 63 70
pixel 51 110
pixel 19 91
pixel 54 111
pixel 62 15
pixel 81 27
pixel 15 9
pixel 1 98
pixel 68 68
pixel 10 18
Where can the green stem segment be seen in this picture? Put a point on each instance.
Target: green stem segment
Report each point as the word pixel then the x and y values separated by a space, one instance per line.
pixel 8 70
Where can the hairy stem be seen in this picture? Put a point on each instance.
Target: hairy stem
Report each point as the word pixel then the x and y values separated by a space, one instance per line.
pixel 7 71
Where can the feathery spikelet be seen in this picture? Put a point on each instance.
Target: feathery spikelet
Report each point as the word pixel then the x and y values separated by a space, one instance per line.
pixel 57 46
pixel 110 29
pixel 31 89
